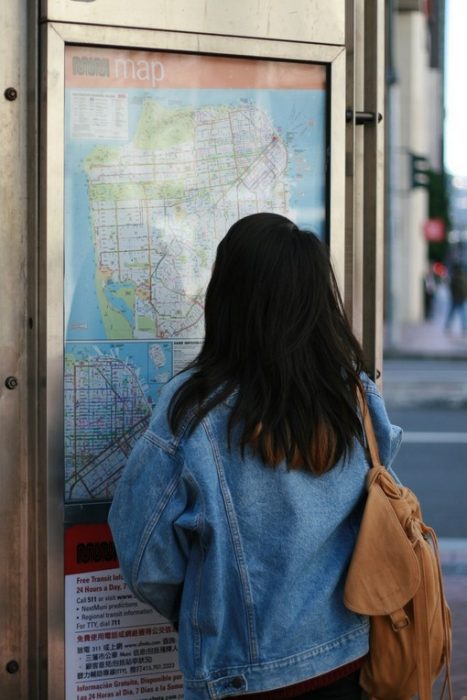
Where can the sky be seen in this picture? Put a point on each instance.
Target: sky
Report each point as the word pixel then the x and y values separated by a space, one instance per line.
pixel 456 88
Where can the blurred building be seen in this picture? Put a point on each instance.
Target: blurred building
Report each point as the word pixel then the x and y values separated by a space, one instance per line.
pixel 416 203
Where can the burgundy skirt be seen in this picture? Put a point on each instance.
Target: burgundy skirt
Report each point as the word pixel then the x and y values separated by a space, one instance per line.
pixel 333 682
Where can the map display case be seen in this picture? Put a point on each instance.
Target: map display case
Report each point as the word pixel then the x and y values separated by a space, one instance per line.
pixel 163 153
pixel 154 144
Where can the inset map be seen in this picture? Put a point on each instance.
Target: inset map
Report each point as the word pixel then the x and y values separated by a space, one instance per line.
pixel 110 389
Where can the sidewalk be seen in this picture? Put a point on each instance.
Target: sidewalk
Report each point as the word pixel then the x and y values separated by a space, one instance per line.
pixel 454 562
pixel 428 340
pixel 425 365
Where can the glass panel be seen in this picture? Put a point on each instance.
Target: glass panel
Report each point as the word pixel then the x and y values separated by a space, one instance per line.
pixel 163 152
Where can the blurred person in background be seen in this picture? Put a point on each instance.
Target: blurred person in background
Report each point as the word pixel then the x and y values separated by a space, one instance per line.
pixel 429 293
pixel 458 292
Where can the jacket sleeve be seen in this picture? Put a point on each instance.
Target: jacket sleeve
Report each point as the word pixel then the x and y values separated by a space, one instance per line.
pixel 152 518
pixel 388 436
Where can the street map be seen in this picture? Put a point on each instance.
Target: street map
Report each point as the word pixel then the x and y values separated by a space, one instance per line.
pixel 155 176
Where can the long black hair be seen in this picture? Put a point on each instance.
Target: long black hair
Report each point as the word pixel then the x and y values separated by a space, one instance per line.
pixel 276 330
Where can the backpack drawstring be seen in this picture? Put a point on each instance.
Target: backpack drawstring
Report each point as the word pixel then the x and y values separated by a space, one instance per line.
pixel 447 682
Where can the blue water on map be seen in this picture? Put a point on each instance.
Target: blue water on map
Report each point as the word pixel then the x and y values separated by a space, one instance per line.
pixel 161 370
pixel 111 290
pixel 150 362
pixel 80 263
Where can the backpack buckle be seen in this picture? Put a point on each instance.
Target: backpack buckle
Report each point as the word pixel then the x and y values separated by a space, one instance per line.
pixel 399 620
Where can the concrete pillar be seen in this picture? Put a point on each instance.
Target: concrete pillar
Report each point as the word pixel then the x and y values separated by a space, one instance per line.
pixel 412 113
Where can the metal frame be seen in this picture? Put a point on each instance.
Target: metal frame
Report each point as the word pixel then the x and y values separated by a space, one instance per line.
pixel 365 179
pixel 320 21
pixel 350 103
pixel 51 345
pixel 18 651
pixel 373 211
pixel 56 36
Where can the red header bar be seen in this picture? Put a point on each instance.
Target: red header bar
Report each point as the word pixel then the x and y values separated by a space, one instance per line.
pixel 90 67
pixel 89 548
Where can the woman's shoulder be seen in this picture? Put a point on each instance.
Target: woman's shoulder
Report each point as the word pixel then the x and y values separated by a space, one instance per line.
pixel 369 385
pixel 374 399
pixel 171 387
pixel 389 436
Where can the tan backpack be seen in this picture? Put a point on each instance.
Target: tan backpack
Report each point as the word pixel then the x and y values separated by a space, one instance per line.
pixel 395 578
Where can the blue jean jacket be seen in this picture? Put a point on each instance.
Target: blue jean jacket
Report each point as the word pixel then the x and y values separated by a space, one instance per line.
pixel 249 562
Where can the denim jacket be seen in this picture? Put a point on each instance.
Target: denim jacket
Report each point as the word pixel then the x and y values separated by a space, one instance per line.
pixel 248 562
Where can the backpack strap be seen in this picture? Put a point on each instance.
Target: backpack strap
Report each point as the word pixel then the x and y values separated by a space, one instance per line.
pixel 369 430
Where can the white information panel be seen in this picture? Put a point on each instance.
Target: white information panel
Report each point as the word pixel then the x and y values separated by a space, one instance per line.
pixel 115 646
pixel 163 153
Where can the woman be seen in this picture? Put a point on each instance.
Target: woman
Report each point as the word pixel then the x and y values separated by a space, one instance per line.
pixel 238 510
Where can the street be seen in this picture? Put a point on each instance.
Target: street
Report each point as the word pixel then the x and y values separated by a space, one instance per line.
pixel 428 399
pixel 434 464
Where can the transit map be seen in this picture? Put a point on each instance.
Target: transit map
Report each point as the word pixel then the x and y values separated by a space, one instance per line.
pixel 163 153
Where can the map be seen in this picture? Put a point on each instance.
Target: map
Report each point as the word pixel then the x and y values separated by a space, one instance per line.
pixel 156 173
pixel 109 393
pixel 160 205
